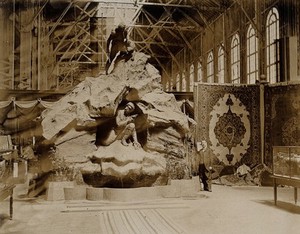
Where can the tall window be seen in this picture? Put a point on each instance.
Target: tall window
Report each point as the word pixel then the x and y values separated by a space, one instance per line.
pixel 192 75
pixel 252 56
pixel 235 59
pixel 199 75
pixel 178 82
pixel 183 82
pixel 272 31
pixel 210 68
pixel 221 67
pixel 167 86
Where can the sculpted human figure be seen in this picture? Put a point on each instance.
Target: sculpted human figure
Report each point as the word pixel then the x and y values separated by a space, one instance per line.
pixel 125 127
pixel 117 45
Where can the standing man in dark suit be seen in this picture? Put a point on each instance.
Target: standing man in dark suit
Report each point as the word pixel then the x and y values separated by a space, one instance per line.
pixel 204 169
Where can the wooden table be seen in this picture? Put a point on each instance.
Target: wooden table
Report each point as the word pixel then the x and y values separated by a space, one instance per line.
pixel 6 192
pixel 280 180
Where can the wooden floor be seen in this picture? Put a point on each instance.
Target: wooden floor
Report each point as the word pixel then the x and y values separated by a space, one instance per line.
pixel 146 218
pixel 225 210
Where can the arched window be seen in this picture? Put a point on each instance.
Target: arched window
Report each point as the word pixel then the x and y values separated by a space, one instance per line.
pixel 192 77
pixel 235 59
pixel 252 56
pixel 183 82
pixel 199 75
pixel 272 31
pixel 167 86
pixel 210 68
pixel 177 83
pixel 221 67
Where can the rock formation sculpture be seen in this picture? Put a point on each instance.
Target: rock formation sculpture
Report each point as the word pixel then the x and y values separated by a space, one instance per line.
pixel 80 123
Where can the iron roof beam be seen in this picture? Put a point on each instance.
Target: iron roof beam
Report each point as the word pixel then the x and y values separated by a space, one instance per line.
pixel 159 43
pixel 182 28
pixel 59 19
pixel 71 27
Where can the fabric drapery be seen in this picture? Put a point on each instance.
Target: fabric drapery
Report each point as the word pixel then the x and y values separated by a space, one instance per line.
pixel 26 104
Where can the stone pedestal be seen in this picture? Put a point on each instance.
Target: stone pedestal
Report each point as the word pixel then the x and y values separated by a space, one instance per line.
pixel 132 194
pixel 70 191
pixel 94 194
pixel 55 191
pixel 76 193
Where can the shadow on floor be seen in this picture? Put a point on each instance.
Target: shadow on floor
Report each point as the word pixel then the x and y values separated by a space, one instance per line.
pixel 286 206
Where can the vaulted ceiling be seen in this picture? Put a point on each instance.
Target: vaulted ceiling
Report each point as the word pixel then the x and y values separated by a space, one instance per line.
pixel 164 27
pixel 159 28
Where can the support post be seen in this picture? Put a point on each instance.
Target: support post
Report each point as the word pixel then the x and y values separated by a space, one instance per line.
pixel 262 117
pixel 275 191
pixel 11 203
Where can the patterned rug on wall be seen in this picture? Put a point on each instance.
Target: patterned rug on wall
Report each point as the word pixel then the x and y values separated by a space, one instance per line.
pixel 282 122
pixel 228 119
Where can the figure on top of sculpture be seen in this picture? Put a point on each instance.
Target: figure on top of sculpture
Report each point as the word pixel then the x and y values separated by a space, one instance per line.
pixel 118 46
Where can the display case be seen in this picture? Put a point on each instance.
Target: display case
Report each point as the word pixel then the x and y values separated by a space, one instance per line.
pixel 286 161
pixel 286 168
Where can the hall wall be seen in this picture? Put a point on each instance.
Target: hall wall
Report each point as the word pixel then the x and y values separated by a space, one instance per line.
pixel 236 19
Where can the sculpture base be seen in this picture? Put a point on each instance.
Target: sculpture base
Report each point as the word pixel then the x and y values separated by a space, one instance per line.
pixel 177 188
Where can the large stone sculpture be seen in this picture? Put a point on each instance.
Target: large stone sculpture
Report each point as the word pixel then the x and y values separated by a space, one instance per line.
pixel 80 126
